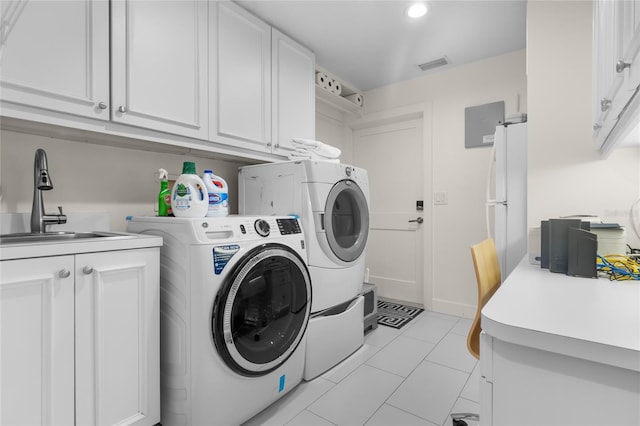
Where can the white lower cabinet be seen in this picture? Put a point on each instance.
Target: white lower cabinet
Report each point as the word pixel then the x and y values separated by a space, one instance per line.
pixel 486 379
pixel 37 358
pixel 117 338
pixel 522 385
pixel 97 363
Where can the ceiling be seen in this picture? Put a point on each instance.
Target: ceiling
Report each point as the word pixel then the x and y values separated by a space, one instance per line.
pixel 372 43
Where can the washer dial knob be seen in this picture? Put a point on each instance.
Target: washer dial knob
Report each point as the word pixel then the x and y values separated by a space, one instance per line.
pixel 262 227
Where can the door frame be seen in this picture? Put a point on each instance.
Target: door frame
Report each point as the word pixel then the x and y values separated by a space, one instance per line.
pixel 424 112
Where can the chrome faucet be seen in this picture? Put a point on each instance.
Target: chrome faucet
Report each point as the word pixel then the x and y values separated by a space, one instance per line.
pixel 42 182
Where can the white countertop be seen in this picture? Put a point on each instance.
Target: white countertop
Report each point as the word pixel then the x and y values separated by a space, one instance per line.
pixel 121 241
pixel 593 319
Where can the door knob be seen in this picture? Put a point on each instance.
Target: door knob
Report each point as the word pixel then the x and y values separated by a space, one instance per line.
pixel 418 219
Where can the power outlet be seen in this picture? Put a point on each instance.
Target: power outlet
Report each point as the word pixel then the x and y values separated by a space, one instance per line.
pixel 440 198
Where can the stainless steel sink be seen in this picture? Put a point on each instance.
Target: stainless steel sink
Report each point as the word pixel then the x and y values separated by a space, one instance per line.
pixel 38 238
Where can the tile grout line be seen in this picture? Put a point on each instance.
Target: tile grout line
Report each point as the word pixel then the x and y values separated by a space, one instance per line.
pixel 386 401
pixel 424 359
pixel 401 332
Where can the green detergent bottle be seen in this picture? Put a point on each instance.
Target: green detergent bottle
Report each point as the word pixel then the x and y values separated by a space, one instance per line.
pixel 164 196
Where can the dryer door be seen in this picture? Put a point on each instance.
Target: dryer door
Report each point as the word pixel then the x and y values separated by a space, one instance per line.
pixel 346 220
pixel 262 310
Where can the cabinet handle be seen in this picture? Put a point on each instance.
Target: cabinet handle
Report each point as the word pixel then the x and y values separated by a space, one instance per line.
pixel 605 104
pixel 621 65
pixel 64 273
pixel 122 109
pixel 597 127
pixel 102 105
pixel 88 270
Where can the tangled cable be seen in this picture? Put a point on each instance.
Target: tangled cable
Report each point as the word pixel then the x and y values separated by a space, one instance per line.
pixel 619 267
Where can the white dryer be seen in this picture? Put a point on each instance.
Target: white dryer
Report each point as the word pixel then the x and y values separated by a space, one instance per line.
pixel 331 200
pixel 235 304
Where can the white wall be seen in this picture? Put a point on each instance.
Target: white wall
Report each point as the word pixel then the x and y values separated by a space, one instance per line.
pixel 566 173
pixel 94 178
pixel 332 129
pixel 460 172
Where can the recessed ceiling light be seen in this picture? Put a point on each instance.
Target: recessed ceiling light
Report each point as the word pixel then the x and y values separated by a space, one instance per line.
pixel 417 10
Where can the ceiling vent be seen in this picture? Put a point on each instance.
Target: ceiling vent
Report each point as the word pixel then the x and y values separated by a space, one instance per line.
pixel 433 64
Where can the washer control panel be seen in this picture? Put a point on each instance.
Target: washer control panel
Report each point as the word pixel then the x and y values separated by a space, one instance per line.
pixel 262 227
pixel 247 227
pixel 289 226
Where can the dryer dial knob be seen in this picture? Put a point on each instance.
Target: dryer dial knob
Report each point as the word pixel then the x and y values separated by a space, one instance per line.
pixel 348 171
pixel 262 227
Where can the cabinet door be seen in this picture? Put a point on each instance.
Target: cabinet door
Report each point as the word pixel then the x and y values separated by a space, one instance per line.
pixel 607 51
pixel 294 101
pixel 55 55
pixel 616 43
pixel 240 67
pixel 36 340
pixel 117 338
pixel 630 27
pixel 159 66
pixel 631 44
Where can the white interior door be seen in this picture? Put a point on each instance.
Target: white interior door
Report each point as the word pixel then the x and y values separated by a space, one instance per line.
pixel 393 156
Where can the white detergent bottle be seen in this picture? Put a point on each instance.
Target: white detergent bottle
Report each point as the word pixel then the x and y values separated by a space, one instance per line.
pixel 218 192
pixel 189 195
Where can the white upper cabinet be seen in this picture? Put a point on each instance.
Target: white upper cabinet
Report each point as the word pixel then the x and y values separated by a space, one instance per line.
pixel 240 75
pixel 262 83
pixel 159 67
pixel 631 44
pixel 294 101
pixel 616 78
pixel 55 55
pixel 189 73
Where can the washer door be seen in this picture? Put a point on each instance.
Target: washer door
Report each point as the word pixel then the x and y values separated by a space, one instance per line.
pixel 262 310
pixel 346 220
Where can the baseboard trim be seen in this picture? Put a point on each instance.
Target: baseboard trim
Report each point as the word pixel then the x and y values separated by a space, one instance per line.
pixel 453 308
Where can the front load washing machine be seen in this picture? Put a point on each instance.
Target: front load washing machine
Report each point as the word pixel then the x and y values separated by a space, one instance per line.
pixel 235 304
pixel 331 200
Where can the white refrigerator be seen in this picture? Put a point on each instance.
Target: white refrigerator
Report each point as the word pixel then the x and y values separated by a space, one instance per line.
pixel 510 195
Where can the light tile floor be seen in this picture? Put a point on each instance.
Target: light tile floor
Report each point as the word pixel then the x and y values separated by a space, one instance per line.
pixel 417 375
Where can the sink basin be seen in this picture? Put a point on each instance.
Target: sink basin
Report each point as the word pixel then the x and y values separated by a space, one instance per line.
pixel 26 237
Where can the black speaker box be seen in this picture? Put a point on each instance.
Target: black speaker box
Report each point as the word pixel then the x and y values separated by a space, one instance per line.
pixel 559 243
pixel 582 246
